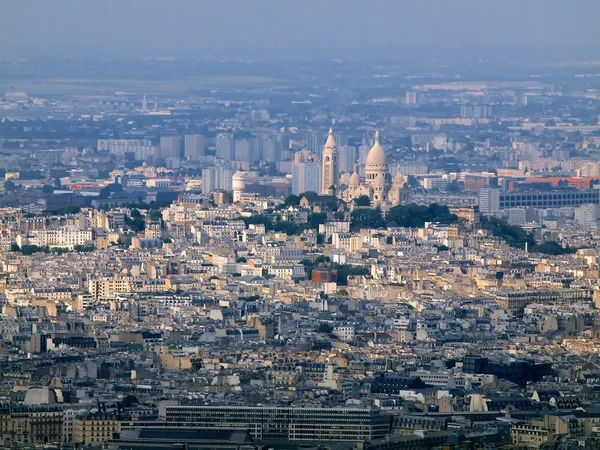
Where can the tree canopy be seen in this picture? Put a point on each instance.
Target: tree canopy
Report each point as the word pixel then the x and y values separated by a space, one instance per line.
pixel 366 218
pixel 415 216
pixel 514 235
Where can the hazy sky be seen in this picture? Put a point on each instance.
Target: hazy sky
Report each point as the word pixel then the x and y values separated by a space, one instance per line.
pixel 194 27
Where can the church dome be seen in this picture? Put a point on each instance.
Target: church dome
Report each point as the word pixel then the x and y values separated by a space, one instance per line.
pixel 354 179
pixel 398 179
pixel 376 156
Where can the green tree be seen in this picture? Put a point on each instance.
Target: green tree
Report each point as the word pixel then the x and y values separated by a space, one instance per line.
pixel 553 248
pixel 30 249
pixel 291 200
pixel 136 221
pixel 514 235
pixel 415 216
pixel 316 219
pixel 346 270
pixel 366 218
pixel 324 328
pixel 47 189
pixel 130 400
pixel 109 189
pixel 9 185
pixel 155 215
pixel 14 247
pixel 84 248
pixel 363 200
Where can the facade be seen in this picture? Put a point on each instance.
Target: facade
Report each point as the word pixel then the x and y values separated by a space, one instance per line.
pixel 225 147
pixel 169 147
pixel 518 299
pixel 141 148
pixel 588 215
pixel 95 428
pixel 306 173
pixel 216 178
pixel 61 238
pixel 194 146
pixel 492 200
pixel 31 424
pixel 271 423
pixel 489 200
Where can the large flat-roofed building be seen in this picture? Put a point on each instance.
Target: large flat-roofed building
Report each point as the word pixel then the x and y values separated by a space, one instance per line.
pixel 517 300
pixel 493 200
pixel 192 439
pixel 272 423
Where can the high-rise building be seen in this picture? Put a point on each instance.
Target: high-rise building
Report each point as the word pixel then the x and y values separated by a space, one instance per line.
pixel 475 111
pixel 269 149
pixel 588 216
pixel 410 98
pixel 314 143
pixel 306 173
pixel 489 200
pixel 170 147
pixel 330 174
pixel 340 139
pixel 216 177
pixel 347 158
pixel 247 150
pixel 194 146
pixel 141 148
pixel 225 147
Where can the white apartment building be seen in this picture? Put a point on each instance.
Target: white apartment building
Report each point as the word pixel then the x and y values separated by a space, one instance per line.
pixel 66 237
pixel 345 333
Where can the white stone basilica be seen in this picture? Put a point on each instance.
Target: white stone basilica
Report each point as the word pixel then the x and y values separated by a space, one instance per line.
pixel 376 184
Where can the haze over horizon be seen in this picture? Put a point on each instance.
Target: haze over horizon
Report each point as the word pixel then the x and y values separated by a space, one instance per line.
pixel 281 29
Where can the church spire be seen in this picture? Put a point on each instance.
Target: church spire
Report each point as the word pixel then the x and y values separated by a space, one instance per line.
pixel 377 136
pixel 330 140
pixel 329 167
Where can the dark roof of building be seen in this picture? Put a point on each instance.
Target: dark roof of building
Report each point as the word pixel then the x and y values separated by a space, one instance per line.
pixel 216 435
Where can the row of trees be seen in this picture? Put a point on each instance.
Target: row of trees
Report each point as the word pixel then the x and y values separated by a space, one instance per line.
pixel 517 237
pixel 408 216
pixel 286 226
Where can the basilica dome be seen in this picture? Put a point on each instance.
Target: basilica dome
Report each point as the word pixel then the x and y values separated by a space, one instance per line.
pixel 376 156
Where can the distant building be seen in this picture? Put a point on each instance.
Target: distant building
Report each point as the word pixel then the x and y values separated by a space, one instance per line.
pixel 272 423
pixel 194 146
pixel 169 147
pixel 218 177
pixel 475 111
pixel 588 215
pixel 306 173
pixel 492 200
pixel 141 148
pixel 225 147
pixel 489 200
pixel 347 157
